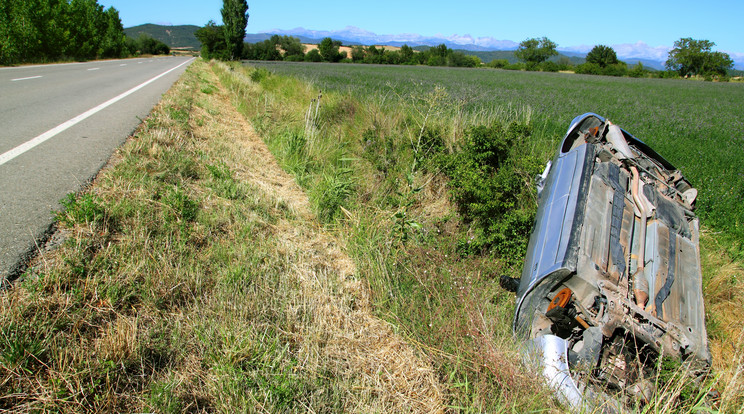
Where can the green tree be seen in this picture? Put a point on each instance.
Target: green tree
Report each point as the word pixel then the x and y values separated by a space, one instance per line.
pixel 292 47
pixel 313 56
pixel 113 38
pixel 406 54
pixel 638 71
pixel 84 23
pixel 533 51
pixel 268 49
pixel 357 54
pixel 328 49
pixel 235 20
pixel 16 31
pixel 375 55
pixel 602 55
pixel 150 46
pixel 47 30
pixel 212 38
pixel 695 57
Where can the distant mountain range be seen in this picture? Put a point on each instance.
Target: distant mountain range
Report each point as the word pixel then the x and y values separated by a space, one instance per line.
pixel 631 53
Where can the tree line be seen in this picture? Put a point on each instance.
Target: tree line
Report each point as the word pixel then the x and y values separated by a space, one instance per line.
pixel 34 31
pixel 689 57
pixel 291 49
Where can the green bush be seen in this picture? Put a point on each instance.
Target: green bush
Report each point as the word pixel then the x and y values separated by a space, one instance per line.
pixel 147 45
pixel 86 210
pixel 638 71
pixel 498 63
pixel 549 66
pixel 490 182
pixel 516 66
pixel 313 56
pixel 588 69
pixel 618 69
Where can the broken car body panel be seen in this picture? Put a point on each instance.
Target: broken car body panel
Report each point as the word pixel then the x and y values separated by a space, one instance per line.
pixel 607 200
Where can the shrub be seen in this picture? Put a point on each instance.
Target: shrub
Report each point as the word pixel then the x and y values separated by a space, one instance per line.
pixel 618 69
pixel 638 71
pixel 588 69
pixel 516 66
pixel 549 66
pixel 490 182
pixel 313 56
pixel 498 63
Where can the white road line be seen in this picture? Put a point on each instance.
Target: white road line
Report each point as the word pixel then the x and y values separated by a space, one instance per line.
pixel 93 69
pixel 23 79
pixel 28 145
pixel 123 64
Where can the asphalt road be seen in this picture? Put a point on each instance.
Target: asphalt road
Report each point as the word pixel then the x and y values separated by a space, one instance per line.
pixel 59 124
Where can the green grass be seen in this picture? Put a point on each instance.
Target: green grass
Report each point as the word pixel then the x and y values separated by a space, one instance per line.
pixel 695 125
pixel 411 239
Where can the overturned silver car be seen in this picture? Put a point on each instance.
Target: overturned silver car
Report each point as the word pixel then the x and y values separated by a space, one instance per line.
pixel 612 279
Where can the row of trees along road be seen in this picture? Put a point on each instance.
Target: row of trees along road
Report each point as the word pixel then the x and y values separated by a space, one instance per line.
pixel 52 30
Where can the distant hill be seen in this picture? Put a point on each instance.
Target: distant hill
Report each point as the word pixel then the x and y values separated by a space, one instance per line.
pixel 173 36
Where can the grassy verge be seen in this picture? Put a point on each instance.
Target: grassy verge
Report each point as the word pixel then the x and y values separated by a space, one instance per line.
pixel 193 278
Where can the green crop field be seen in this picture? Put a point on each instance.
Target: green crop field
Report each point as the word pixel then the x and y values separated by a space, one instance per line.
pixel 698 126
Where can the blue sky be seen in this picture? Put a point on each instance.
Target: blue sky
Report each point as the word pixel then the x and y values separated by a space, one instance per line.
pixel 584 22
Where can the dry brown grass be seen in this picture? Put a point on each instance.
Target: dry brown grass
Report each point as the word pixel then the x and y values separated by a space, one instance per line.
pixel 723 280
